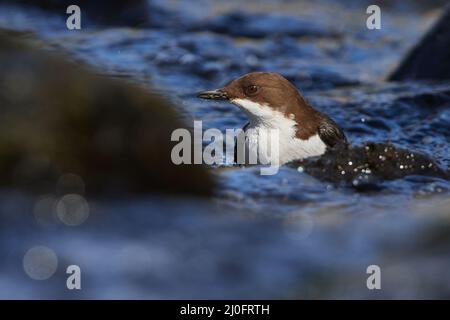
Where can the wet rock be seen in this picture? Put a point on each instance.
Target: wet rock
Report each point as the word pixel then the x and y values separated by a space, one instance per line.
pixel 61 118
pixel 430 59
pixel 364 167
pixel 253 25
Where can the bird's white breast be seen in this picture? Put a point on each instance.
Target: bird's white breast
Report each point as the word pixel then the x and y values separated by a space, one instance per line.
pixel 272 122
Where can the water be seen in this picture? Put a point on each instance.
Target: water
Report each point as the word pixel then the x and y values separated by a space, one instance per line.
pixel 285 236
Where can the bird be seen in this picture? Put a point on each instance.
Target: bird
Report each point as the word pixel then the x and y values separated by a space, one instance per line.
pixel 273 104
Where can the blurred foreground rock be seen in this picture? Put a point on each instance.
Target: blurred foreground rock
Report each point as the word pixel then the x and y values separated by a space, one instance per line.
pixel 430 59
pixel 59 118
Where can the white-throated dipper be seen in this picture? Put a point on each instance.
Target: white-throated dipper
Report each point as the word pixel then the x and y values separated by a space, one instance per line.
pixel 271 102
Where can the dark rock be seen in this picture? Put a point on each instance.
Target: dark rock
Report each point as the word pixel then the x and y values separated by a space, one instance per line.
pixel 61 118
pixel 368 165
pixel 430 59
pixel 252 25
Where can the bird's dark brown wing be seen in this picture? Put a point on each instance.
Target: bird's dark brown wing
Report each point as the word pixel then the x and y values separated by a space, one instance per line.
pixel 330 133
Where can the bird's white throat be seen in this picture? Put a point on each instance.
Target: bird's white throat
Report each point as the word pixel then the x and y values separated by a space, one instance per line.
pixel 279 129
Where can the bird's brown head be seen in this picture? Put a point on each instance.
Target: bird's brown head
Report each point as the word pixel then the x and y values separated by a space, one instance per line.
pixel 259 94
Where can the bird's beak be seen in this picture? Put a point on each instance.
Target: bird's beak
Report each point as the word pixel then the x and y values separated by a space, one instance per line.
pixel 217 94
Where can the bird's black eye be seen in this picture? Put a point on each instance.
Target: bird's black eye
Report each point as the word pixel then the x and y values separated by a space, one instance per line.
pixel 251 90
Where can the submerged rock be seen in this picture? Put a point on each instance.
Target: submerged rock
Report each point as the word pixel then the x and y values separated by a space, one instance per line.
pixel 365 166
pixel 60 118
pixel 430 59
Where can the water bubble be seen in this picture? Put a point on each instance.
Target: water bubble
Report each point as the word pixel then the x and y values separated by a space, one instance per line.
pixel 72 209
pixel 40 263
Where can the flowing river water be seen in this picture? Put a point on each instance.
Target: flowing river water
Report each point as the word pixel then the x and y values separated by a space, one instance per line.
pixel 284 236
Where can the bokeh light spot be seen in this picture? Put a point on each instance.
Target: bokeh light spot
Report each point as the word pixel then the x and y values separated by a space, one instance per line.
pixel 40 263
pixel 72 209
